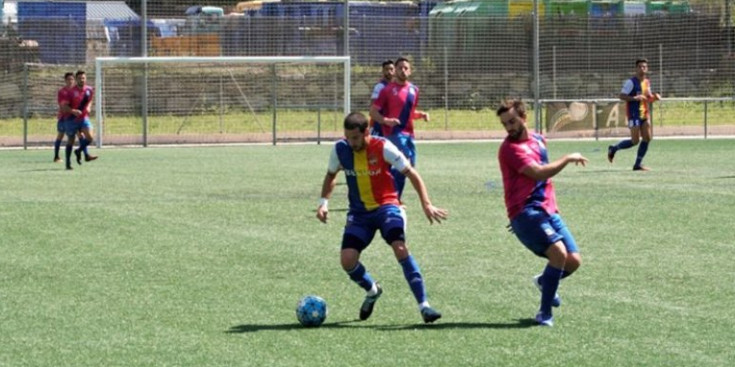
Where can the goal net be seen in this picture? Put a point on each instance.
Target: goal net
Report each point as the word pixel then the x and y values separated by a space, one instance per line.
pixel 205 100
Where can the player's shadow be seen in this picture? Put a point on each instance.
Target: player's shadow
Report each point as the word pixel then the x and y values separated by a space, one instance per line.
pixel 518 324
pixel 251 328
pixel 43 170
pixel 337 210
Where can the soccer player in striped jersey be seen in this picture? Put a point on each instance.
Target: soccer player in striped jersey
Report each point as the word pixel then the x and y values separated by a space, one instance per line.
pixel 388 70
pixel 531 203
pixel 638 97
pixel 395 110
pixel 373 205
pixel 63 97
pixel 81 103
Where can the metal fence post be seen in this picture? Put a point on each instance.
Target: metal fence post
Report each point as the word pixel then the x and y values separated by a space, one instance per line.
pixel 536 68
pixel 274 101
pixel 318 125
pixel 446 90
pixel 25 105
pixel 705 119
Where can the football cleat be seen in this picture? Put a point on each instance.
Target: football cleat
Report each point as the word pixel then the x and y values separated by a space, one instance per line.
pixel 430 315
pixel 79 156
pixel 544 319
pixel 610 153
pixel 367 305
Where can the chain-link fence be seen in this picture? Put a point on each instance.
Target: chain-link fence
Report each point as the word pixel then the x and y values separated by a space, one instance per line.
pixel 467 56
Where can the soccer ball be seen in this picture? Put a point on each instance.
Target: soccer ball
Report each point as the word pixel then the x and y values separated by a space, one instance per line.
pixel 311 311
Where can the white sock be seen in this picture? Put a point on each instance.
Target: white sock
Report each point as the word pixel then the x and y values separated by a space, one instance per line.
pixel 373 290
pixel 423 305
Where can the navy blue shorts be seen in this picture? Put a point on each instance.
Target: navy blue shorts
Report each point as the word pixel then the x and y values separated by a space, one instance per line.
pixel 636 122
pixel 538 230
pixel 71 127
pixel 405 144
pixel 364 225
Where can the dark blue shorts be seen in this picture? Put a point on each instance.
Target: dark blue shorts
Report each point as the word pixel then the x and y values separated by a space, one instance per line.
pixel 406 145
pixel 538 230
pixel 636 122
pixel 71 127
pixel 364 225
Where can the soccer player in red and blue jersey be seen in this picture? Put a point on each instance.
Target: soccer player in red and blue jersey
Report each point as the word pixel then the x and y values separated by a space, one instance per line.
pixel 81 103
pixel 374 205
pixel 638 97
pixel 395 110
pixel 388 70
pixel 63 97
pixel 531 203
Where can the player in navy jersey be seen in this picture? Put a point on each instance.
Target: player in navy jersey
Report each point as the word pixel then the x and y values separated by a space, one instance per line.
pixel 395 110
pixel 63 97
pixel 638 96
pixel 388 71
pixel 373 205
pixel 530 200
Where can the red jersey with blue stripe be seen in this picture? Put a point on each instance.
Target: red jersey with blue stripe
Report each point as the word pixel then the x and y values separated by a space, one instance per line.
pixel 522 191
pixel 375 128
pixel 80 99
pixel 370 183
pixel 398 101
pixel 63 96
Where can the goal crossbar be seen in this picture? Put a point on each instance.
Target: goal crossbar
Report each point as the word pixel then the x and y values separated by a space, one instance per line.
pixel 100 61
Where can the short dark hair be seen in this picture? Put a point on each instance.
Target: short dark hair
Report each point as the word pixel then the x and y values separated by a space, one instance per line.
pixel 356 120
pixel 80 72
pixel 387 62
pixel 66 75
pixel 642 59
pixel 402 59
pixel 515 104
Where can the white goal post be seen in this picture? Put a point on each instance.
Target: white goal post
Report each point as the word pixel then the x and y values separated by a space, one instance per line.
pixel 103 63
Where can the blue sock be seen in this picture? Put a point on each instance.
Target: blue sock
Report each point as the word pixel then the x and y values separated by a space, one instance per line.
pixel 83 143
pixel 68 154
pixel 57 146
pixel 360 276
pixel 624 144
pixel 413 276
pixel 642 149
pixel 550 279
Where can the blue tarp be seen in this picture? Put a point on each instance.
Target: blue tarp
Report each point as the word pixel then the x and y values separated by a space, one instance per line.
pixel 59 28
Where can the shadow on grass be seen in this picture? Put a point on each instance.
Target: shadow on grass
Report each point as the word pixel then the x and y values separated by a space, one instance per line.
pixel 335 210
pixel 518 324
pixel 60 169
pixel 250 328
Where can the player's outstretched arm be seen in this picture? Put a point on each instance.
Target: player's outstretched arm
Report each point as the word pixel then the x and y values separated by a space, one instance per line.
pixel 421 115
pixel 322 211
pixel 546 171
pixel 432 213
